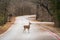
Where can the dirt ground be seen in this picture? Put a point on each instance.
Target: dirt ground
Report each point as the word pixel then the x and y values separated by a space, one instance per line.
pixel 53 29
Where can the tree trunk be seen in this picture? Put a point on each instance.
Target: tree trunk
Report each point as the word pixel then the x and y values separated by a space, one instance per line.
pixel 57 23
pixel 57 19
pixel 37 11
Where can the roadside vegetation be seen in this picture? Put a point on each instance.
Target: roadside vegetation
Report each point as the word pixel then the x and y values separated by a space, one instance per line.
pixel 3 11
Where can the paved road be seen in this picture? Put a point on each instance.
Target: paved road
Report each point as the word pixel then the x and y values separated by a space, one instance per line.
pixel 36 32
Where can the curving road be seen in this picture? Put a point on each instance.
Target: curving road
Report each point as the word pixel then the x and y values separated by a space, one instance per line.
pixel 36 32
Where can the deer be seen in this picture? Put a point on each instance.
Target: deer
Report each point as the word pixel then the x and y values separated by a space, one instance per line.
pixel 27 27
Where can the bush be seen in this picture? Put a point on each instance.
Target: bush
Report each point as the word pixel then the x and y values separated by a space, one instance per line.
pixel 3 19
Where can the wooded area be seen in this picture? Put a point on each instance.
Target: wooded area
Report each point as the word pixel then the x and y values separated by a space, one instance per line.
pixel 38 7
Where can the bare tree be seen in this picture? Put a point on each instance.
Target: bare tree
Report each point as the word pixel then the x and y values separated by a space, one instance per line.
pixel 40 3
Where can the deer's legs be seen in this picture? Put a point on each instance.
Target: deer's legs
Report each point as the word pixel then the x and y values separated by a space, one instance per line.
pixel 28 30
pixel 24 29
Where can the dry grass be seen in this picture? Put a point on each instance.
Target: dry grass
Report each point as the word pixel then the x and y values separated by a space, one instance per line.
pixel 7 25
pixel 53 29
